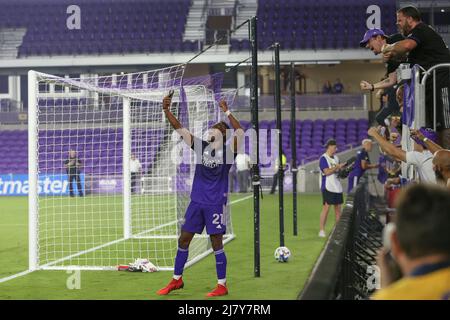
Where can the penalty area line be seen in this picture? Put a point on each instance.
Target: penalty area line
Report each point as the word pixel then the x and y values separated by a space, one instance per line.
pixel 24 273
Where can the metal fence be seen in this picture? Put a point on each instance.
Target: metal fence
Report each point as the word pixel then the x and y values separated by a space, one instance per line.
pixel 310 102
pixel 420 92
pixel 419 79
pixel 344 271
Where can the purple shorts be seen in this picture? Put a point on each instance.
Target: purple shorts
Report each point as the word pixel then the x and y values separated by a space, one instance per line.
pixel 199 216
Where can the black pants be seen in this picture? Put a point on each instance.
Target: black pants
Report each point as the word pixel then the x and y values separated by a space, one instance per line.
pixel 134 176
pixel 75 177
pixel 275 182
pixel 390 107
pixel 243 180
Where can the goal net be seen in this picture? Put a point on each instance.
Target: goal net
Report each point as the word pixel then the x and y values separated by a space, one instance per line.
pixel 109 179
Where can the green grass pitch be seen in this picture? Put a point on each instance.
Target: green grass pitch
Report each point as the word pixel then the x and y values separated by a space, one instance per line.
pixel 277 281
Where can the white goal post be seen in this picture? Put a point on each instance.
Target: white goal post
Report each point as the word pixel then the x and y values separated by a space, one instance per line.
pixel 89 207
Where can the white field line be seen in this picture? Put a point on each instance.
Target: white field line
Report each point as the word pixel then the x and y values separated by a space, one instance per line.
pixel 24 273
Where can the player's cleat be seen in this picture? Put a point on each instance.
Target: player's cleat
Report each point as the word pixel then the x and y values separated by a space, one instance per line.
pixel 220 290
pixel 322 234
pixel 173 285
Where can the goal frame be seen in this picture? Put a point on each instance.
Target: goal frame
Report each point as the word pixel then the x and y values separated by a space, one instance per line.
pixel 33 196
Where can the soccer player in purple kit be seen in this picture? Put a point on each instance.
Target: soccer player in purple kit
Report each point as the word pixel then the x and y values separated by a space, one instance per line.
pixel 208 195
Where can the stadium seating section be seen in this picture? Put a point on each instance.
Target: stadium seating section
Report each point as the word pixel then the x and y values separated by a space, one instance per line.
pixel 102 147
pixel 107 26
pixel 119 26
pixel 315 24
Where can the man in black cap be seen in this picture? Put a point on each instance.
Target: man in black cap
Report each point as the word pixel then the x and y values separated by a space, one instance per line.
pixel 375 39
pixel 425 47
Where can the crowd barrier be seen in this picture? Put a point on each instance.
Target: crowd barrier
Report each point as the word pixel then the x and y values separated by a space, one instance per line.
pixel 346 269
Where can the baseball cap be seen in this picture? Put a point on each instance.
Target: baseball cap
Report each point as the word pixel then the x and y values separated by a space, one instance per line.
pixel 370 34
pixel 427 133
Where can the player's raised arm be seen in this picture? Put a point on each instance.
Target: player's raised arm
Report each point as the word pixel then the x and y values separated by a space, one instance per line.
pixel 239 133
pixel 183 132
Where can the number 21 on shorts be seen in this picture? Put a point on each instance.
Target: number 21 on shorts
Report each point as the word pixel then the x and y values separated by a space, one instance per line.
pixel 216 218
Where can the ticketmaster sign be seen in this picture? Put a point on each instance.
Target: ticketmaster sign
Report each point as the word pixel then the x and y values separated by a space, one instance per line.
pixel 48 184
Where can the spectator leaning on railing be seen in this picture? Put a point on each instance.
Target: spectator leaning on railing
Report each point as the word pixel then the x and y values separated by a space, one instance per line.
pixel 425 47
pixel 421 157
pixel 419 245
pixel 375 39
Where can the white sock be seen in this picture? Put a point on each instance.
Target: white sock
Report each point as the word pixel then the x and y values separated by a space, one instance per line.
pixel 222 281
pixel 176 277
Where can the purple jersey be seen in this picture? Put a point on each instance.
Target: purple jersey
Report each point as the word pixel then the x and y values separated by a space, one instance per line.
pixel 210 184
pixel 358 171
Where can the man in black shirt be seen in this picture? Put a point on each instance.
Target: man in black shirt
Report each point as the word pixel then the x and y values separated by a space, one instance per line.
pixel 375 39
pixel 73 168
pixel 426 48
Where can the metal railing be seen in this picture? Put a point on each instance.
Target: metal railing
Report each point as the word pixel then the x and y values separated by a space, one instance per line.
pixel 421 87
pixel 420 76
pixel 342 271
pixel 310 102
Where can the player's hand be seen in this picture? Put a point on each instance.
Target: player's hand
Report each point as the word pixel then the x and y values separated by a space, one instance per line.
pixel 167 101
pixel 365 85
pixel 223 105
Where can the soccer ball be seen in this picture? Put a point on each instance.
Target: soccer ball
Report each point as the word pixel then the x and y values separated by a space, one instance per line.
pixel 282 254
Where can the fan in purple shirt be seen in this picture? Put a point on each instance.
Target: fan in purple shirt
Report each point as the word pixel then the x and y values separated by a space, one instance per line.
pixel 362 163
pixel 208 196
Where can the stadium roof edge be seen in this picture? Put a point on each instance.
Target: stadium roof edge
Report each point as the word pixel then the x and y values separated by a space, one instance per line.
pixel 177 58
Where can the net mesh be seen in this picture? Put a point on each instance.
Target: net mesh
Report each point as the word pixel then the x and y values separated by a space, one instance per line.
pixel 82 142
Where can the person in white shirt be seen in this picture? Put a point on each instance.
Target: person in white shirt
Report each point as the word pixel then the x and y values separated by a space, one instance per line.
pixel 330 185
pixel 421 158
pixel 135 169
pixel 243 171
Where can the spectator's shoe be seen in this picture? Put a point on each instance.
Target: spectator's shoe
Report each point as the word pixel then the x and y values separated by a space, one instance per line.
pixel 220 290
pixel 173 285
pixel 72 195
pixel 81 195
pixel 322 234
